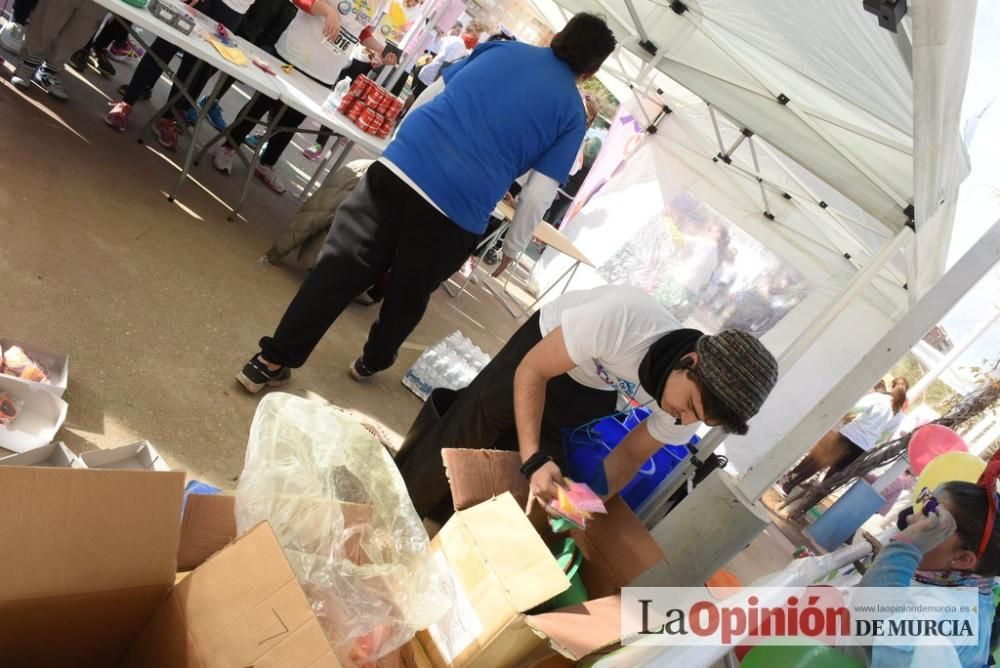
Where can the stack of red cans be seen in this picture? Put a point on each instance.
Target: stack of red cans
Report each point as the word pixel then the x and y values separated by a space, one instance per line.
pixel 372 108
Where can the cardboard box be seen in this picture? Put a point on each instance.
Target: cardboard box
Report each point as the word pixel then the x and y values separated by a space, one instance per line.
pixel 141 456
pixel 89 572
pixel 39 418
pixel 56 365
pixel 54 454
pixel 208 525
pixel 499 584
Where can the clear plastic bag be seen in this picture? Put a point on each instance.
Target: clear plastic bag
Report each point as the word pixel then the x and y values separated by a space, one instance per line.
pixel 339 508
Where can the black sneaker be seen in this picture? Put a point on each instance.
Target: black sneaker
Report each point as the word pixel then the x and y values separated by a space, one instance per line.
pixel 103 63
pixel 359 371
pixel 255 376
pixel 78 61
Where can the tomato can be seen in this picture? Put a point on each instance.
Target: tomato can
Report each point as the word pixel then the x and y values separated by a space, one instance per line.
pixel 355 111
pixel 359 87
pixel 368 119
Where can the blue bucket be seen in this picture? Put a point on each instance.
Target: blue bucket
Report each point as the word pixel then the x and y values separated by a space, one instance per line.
pixel 587 446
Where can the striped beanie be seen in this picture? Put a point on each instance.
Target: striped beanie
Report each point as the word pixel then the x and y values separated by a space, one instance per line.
pixel 738 369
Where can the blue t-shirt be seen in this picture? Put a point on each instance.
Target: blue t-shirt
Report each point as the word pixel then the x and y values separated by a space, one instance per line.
pixel 507 108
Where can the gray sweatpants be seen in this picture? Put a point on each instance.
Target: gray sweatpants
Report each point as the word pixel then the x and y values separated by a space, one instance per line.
pixel 59 28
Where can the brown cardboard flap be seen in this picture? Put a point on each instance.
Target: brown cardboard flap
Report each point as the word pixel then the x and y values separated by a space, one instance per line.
pixel 242 607
pixel 73 531
pixel 493 546
pixel 209 525
pixel 580 630
pixel 81 630
pixel 479 475
pixel 617 548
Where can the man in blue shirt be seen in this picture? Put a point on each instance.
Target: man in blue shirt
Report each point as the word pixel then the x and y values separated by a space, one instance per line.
pixel 506 109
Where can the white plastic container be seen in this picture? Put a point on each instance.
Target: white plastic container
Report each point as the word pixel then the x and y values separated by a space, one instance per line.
pixel 40 415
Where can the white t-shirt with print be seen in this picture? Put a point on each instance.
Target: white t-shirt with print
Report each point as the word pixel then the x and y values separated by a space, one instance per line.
pixel 607 331
pixel 303 44
pixel 875 418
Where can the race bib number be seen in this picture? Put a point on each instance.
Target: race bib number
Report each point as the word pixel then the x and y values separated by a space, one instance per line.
pixel 343 44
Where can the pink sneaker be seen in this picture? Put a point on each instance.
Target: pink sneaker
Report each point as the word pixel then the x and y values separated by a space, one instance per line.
pixel 223 158
pixel 166 133
pixel 314 151
pixel 119 115
pixel 269 175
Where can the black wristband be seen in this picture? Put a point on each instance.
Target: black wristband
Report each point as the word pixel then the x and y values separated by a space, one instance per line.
pixel 535 462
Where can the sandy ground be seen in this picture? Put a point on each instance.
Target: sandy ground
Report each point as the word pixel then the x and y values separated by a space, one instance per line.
pixel 158 305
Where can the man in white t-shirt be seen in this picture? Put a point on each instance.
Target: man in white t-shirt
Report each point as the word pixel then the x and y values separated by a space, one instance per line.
pixel 567 366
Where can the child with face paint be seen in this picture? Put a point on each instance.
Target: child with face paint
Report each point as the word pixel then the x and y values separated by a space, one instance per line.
pixel 953 543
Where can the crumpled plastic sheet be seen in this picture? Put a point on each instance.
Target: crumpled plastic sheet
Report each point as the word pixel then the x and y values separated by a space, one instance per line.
pixel 338 506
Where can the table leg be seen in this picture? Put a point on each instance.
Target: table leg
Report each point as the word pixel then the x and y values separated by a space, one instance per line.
pixel 192 145
pixel 172 100
pixel 571 272
pixel 481 249
pixel 226 134
pixel 272 126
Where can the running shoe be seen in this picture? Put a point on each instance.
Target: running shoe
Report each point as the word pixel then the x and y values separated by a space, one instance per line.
pixel 125 53
pixel 100 60
pixel 223 158
pixel 50 82
pixel 269 175
pixel 215 116
pixel 78 61
pixel 253 141
pixel 166 133
pixel 119 115
pixel 255 376
pixel 12 37
pixel 314 151
pixel 359 371
pixel 23 74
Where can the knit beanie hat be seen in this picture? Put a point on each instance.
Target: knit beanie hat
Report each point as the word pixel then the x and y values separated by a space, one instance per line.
pixel 738 369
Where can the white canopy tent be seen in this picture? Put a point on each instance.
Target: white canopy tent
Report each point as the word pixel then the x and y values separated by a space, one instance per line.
pixel 828 100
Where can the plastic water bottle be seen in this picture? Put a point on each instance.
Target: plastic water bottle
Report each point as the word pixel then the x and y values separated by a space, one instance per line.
pixel 334 99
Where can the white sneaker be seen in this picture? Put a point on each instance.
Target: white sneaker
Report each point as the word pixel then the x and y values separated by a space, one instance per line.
pixel 23 74
pixel 12 37
pixel 269 175
pixel 223 158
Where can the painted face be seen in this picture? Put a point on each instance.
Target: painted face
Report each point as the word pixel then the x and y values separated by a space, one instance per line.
pixel 682 398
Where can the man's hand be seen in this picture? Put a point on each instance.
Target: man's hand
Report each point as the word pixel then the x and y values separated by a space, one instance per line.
pixel 331 25
pixel 390 59
pixel 546 481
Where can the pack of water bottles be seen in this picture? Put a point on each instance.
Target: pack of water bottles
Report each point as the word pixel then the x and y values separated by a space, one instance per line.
pixel 451 362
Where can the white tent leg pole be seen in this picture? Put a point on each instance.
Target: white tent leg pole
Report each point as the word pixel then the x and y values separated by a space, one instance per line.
pixel 794 352
pixel 927 311
pixel 921 386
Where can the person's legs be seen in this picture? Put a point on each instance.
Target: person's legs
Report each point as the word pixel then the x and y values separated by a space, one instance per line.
pixel 147 71
pixel 358 249
pixel 217 10
pixel 431 248
pixel 277 144
pixel 23 10
pixel 84 17
pixel 847 454
pixel 825 452
pixel 113 32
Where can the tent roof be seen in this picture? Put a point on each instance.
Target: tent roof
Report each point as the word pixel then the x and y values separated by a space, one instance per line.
pixel 842 143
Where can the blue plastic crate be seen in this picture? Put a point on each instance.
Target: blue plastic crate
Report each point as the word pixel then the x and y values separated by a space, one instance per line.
pixel 587 446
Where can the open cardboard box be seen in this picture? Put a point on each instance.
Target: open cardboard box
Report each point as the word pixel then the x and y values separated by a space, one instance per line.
pixel 88 580
pixel 503 569
pixel 54 455
pixel 141 456
pixel 55 365
pixel 39 418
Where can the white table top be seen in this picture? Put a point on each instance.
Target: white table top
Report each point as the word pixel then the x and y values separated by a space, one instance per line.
pixel 249 74
pixel 306 95
pixel 294 89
